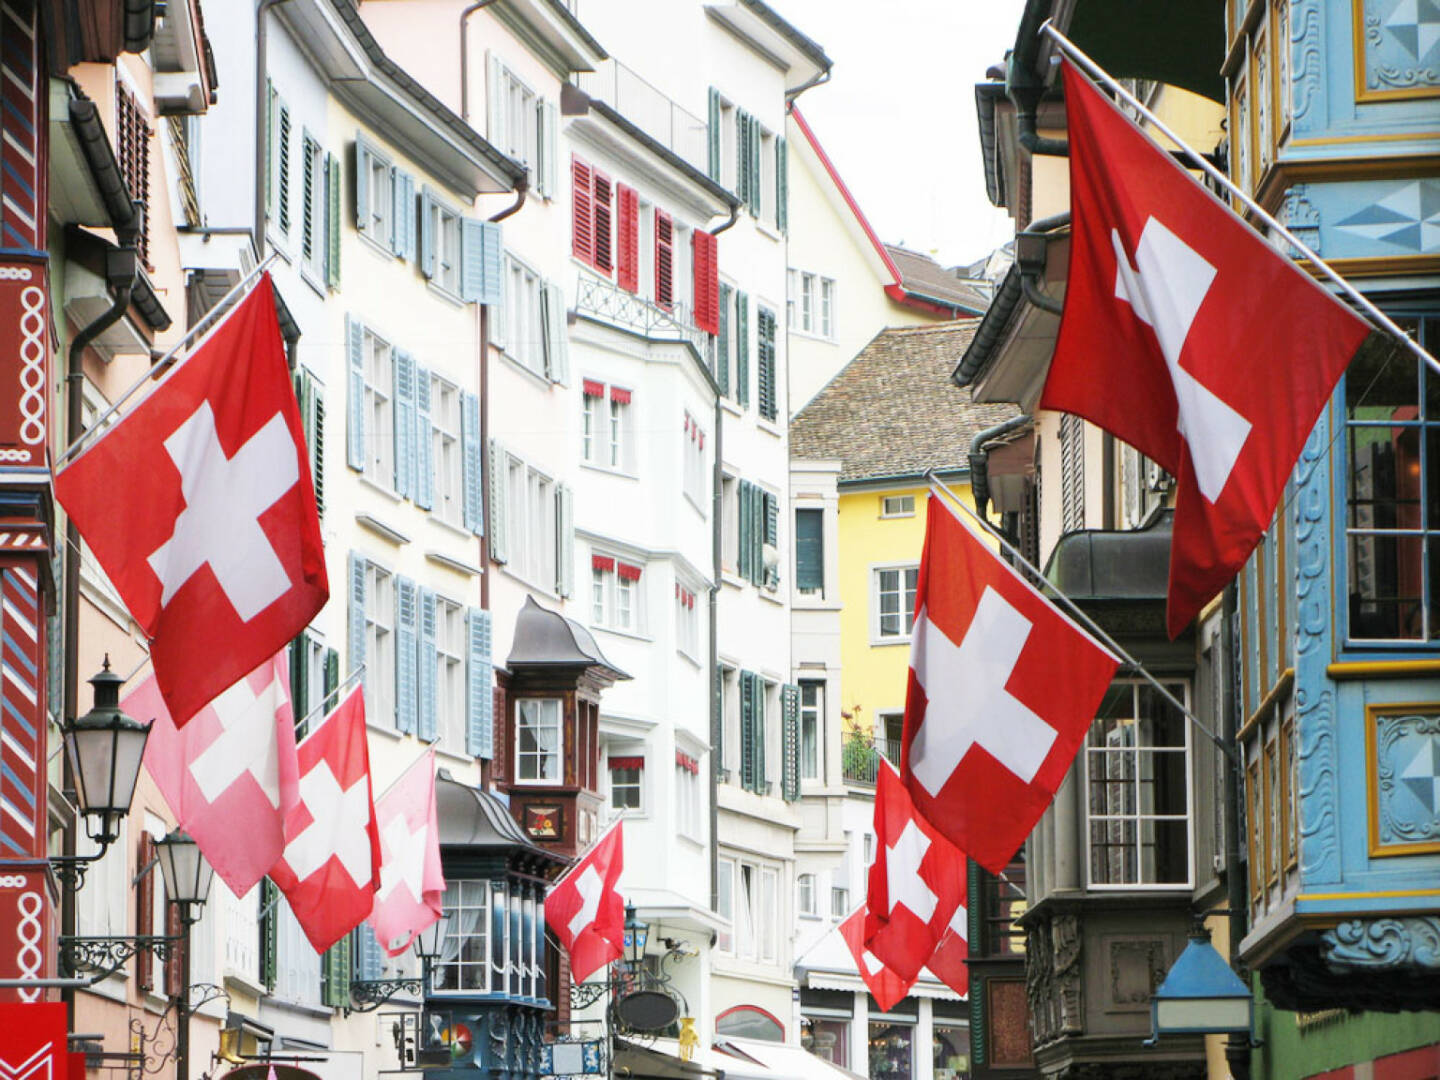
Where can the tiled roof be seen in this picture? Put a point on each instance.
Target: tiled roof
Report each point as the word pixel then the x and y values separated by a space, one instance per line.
pixel 893 411
pixel 922 275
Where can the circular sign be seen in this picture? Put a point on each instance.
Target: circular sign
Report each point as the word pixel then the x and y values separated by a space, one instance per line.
pixel 647 1010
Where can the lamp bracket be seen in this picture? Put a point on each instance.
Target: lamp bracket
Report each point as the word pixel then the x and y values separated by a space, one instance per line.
pixel 69 870
pixel 104 956
pixel 367 995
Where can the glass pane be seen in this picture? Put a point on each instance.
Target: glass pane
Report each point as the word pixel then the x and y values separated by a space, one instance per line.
pixel 1386 576
pixel 1112 852
pixel 1164 850
pixel 1381 388
pixel 1384 478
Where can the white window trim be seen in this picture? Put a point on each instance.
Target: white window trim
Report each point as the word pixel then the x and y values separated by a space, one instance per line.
pixel 874 602
pixel 387 206
pixel 559 745
pixel 885 514
pixel 442 209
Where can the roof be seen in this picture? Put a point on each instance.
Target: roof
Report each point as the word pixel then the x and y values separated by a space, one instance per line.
pixel 922 276
pixel 545 638
pixel 893 410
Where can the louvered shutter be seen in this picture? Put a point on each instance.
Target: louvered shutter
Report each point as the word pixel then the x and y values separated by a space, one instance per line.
pixel 269 933
pixel 332 676
pixel 174 970
pixel 332 221
pixel 753 187
pixel 604 238
pixel 402 214
pixel 664 259
pixel 765 350
pixel 423 490
pixel 269 146
pixel 747 731
pixel 549 149
pixel 627 238
pixel 557 335
pixel 479 718
pixel 481 246
pixel 564 540
pixel 145 907
pixel 499 510
pixel 809 550
pixel 407 629
pixel 707 281
pixel 362 187
pixel 582 225
pixel 496 314
pixel 790 742
pixel 494 101
pixel 429 255
pixel 299 679
pixel 405 467
pixel 357 612
pixel 1072 472
pixel 355 352
pixel 742 350
pixel 782 186
pixel 282 165
pixel 722 342
pixel 312 422
pixel 772 519
pixel 428 726
pixel 757 535
pixel 742 155
pixel 743 550
pixel 713 142
pixel 761 735
pixel 336 975
pixel 369 959
pixel 308 200
pixel 471 464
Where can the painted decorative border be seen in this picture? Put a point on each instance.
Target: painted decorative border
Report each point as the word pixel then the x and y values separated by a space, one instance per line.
pixel 1374 781
pixel 1367 29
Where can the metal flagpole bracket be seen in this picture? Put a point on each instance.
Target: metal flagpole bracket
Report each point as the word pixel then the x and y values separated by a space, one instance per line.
pixel 1095 71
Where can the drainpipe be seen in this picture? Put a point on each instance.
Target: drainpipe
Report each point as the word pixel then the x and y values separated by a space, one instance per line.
pixel 1237 1047
pixel 717 704
pixel 980 458
pixel 734 217
pixel 465 57
pixel 262 110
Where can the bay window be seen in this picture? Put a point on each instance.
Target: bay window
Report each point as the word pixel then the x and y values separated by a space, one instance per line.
pixel 614 594
pixel 494 941
pixel 538 739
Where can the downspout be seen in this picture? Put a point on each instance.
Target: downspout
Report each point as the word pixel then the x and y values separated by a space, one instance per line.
pixel 791 95
pixel 734 217
pixel 1237 1047
pixel 465 58
pixel 262 110
pixel 980 459
pixel 717 704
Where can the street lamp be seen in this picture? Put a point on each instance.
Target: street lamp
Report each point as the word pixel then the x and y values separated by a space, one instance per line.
pixel 637 935
pixel 428 945
pixel 1201 995
pixel 187 875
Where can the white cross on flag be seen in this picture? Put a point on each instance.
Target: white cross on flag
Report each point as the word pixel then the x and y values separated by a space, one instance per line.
pixel 887 986
pixel 200 507
pixel 1188 335
pixel 330 868
pixel 412 884
pixel 230 774
pixel 917 881
pixel 1003 687
pixel 584 908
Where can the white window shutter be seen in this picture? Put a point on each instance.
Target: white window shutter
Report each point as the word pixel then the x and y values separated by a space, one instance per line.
pixel 494 107
pixel 428 255
pixel 557 336
pixel 355 352
pixel 549 149
pixel 474 504
pixel 499 511
pixel 362 187
pixel 564 540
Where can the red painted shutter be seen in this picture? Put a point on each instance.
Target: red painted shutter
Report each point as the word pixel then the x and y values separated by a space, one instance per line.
pixel 145 909
pixel 582 229
pixel 604 241
pixel 627 238
pixel 664 259
pixel 707 281
pixel 174 967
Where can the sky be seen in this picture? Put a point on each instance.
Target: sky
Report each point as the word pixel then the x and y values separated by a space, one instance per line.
pixel 898 114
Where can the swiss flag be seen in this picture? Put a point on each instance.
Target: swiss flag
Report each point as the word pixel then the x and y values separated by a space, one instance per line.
pixel 950 962
pixel 412 884
pixel 917 881
pixel 1002 689
pixel 888 987
pixel 330 868
pixel 229 775
pixel 585 910
pixel 1190 337
pixel 200 507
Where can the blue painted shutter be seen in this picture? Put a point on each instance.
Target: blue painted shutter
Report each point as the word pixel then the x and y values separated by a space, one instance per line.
pixel 714 141
pixel 722 343
pixel 429 725
pixel 742 349
pixel 492 263
pixel 362 187
pixel 429 257
pixel 479 719
pixel 790 742
pixel 357 611
pixel 481 244
pixel 809 550
pixel 423 490
pixel 474 508
pixel 406 654
pixel 369 960
pixel 355 353
pixel 499 517
pixel 404 424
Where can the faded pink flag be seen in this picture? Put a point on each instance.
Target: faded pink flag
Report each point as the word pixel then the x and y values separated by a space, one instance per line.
pixel 412 884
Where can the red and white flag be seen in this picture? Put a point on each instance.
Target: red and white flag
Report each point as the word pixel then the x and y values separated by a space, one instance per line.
pixel 412 884
pixel 1189 336
pixel 585 909
pixel 229 775
pixel 200 507
pixel 950 962
pixel 1003 687
pixel 886 986
pixel 916 881
pixel 330 868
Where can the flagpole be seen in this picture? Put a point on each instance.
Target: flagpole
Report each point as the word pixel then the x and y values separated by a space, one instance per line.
pixel 320 709
pixel 1074 52
pixel 204 323
pixel 1090 624
pixel 427 752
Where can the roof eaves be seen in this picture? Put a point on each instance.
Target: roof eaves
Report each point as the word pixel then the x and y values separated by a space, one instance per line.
pixel 812 51
pixel 991 331
pixel 660 150
pixel 986 97
pixel 577 28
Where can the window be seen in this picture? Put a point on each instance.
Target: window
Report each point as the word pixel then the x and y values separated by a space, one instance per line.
pixel 725 903
pixel 442 257
pixel 1072 472
pixel 694 452
pixel 805 894
pixel 807 302
pixel 607 430
pixel 869 849
pixel 614 594
pixel 379 644
pixel 687 623
pixel 445 439
pixel 514 116
pixel 375 195
pixel 537 740
pixel 379 373
pixel 450 650
pixel 1137 767
pixel 896 506
pixel 531 519
pixel 839 901
pixel 464 963
pixel 755 907
pixel 312 218
pixel 893 603
pixel 591 239
pixel 812 727
pixel 731 540
pixel 827 308
pixel 687 796
pixel 749 166
pixel 522 333
pixel 810 551
pixel 751 1022
pixel 625 782
pixel 1392 494
pixel 132 151
pixel 765 363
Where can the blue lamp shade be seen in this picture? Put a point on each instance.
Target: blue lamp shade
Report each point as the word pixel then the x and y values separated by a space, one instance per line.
pixel 1201 995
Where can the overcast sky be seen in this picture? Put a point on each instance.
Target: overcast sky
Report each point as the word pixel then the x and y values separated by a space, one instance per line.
pixel 898 114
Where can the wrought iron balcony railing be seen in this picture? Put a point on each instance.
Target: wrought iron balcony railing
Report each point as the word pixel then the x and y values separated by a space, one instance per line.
pixel 608 303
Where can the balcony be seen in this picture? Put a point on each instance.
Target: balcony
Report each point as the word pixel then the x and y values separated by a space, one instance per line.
pixel 860 762
pixel 606 302
pixel 682 133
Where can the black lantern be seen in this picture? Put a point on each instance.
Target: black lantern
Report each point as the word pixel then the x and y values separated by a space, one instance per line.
pixel 637 934
pixel 187 874
pixel 104 748
pixel 430 942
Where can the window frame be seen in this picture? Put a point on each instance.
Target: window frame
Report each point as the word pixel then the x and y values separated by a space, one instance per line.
pixel 448 501
pixel 380 214
pixel 637 785
pixel 379 405
pixel 450 668
pixel 877 634
pixel 805 892
pixel 484 964
pixel 815 713
pixel 521 725
pixel 380 646
pixel 524 322
pixel 885 511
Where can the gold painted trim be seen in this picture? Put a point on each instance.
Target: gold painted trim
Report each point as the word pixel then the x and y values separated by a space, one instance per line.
pixel 1379 266
pixel 1366 669
pixel 1278 691
pixel 1362 92
pixel 1395 894
pixel 1270 192
pixel 1372 774
pixel 1388 136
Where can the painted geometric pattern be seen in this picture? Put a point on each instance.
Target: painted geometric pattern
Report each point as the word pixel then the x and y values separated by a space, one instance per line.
pixel 1408 217
pixel 19 127
pixel 22 759
pixel 1408 778
pixel 1402 44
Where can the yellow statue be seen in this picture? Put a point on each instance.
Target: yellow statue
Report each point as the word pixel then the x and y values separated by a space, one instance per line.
pixel 689 1038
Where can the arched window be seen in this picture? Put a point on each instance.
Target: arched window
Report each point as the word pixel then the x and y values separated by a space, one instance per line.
pixel 750 1022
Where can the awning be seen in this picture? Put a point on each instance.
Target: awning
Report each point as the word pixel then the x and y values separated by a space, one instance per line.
pixel 259 1070
pixel 779 1061
pixel 660 1062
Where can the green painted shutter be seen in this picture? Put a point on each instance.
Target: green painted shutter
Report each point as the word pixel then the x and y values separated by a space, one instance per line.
pixel 714 132
pixel 810 550
pixel 762 780
pixel 332 675
pixel 782 186
pixel 355 354
pixel 722 343
pixel 309 204
pixel 269 146
pixel 747 731
pixel 332 221
pixel 742 153
pixel 282 166
pixel 362 187
pixel 743 547
pixel 765 353
pixel 269 933
pixel 335 975
pixel 299 680
pixel 407 628
pixel 754 185
pixel 790 742
pixel 742 350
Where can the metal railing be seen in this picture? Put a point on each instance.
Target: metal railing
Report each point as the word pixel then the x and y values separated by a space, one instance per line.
pixel 608 303
pixel 860 762
pixel 650 110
